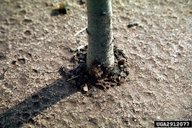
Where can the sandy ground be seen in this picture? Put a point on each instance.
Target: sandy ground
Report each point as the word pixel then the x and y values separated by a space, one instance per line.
pixel 34 45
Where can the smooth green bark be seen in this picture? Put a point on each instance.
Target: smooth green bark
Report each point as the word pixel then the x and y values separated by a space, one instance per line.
pixel 100 47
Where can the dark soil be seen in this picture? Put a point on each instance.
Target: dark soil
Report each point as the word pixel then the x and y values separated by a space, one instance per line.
pixel 98 76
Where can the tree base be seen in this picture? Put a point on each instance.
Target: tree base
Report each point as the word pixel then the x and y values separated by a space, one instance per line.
pixel 98 76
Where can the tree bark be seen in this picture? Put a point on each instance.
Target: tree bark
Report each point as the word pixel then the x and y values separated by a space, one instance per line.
pixel 100 46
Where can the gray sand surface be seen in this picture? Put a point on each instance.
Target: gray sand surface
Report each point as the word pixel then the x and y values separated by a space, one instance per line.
pixel 34 45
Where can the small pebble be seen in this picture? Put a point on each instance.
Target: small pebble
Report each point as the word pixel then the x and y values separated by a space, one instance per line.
pixel 85 88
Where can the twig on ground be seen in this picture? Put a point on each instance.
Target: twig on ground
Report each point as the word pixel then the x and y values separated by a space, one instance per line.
pixel 72 78
pixel 82 30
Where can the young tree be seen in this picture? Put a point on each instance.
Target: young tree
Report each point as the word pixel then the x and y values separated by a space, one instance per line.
pixel 100 47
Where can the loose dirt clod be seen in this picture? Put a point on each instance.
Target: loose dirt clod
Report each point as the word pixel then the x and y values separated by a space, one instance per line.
pixel 2 76
pixel 60 8
pixel 132 25
pixel 2 56
pixel 98 76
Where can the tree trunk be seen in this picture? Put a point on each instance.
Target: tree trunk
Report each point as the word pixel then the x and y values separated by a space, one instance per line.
pixel 100 47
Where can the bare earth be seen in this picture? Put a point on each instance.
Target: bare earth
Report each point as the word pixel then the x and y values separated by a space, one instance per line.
pixel 34 45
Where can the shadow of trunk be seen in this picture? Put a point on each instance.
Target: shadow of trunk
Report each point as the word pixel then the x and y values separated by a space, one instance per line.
pixel 25 111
